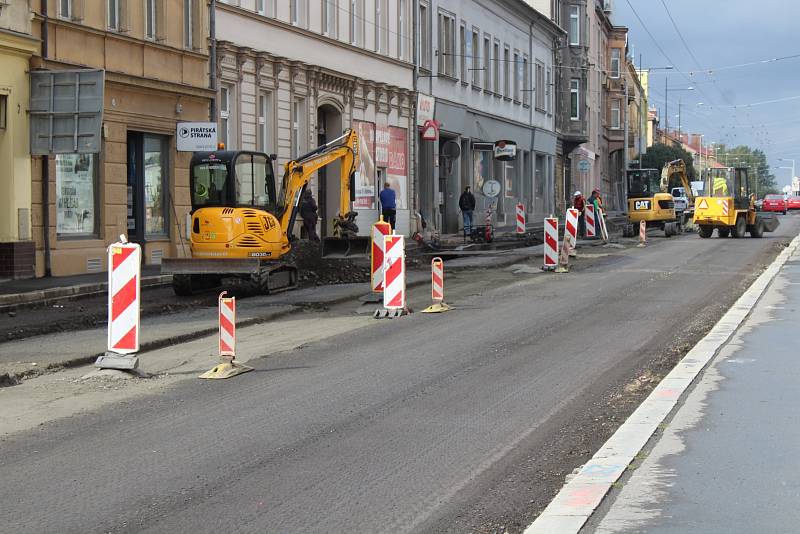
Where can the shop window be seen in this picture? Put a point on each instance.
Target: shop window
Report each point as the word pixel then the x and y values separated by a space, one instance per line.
pixel 155 186
pixel 76 195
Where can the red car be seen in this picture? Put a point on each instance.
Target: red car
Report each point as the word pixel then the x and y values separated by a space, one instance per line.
pixel 775 203
pixel 793 203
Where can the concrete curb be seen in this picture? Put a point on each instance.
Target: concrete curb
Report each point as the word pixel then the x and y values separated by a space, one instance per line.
pixel 580 497
pixel 45 296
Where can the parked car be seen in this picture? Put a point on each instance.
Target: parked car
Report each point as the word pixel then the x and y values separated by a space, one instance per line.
pixel 793 203
pixel 775 203
pixel 680 198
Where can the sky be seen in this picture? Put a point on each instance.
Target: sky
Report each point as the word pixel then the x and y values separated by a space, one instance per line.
pixel 729 103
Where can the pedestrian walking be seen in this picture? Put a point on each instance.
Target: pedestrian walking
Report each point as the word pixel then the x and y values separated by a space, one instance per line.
pixel 308 212
pixel 467 205
pixel 388 200
pixel 579 203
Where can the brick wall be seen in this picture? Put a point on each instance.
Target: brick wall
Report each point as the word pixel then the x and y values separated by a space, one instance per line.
pixel 17 259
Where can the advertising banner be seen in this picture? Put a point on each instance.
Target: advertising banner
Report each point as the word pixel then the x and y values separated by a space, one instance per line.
pixel 382 145
pixel 365 172
pixel 397 168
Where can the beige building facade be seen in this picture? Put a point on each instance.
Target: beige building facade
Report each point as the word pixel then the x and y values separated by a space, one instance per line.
pixel 294 75
pixel 154 55
pixel 17 46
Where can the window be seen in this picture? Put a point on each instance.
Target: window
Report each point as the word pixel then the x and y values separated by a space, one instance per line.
pixel 3 112
pixel 462 52
pixel 356 22
pixel 548 104
pixel 540 86
pixel 266 7
pixel 476 57
pixel 574 99
pixel 225 115
pixel 555 10
pixel 574 25
pixel 615 57
pixel 447 44
pixel 298 127
pixel 487 61
pixel 496 69
pixel 329 12
pixel 265 122
pixel 76 195
pixel 297 12
pixel 615 113
pixel 252 186
pixel 65 9
pixel 188 21
pixel 517 68
pixel 381 26
pixel 526 82
pixel 112 18
pixel 425 35
pixel 155 186
pixel 150 19
pixel 402 30
pixel 506 75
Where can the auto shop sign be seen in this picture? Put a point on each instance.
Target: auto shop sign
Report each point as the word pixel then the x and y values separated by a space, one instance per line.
pixel 196 136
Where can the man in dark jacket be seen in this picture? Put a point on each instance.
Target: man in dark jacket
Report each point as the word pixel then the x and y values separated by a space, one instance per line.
pixel 308 212
pixel 467 205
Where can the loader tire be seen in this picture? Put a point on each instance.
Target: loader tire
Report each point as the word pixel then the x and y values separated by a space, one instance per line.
pixel 724 232
pixel 757 230
pixel 182 284
pixel 705 231
pixel 740 229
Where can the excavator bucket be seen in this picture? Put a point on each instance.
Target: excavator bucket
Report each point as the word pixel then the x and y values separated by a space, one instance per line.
pixel 343 247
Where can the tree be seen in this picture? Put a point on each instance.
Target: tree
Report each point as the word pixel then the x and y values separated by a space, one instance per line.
pixel 660 154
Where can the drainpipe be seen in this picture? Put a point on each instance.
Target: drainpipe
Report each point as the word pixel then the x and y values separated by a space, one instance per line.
pixel 530 111
pixel 45 166
pixel 413 130
pixel 212 58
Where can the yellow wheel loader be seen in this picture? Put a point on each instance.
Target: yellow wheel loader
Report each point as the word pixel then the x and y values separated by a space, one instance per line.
pixel 240 230
pixel 728 206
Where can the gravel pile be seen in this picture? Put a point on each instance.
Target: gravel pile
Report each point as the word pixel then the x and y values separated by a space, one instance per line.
pixel 314 270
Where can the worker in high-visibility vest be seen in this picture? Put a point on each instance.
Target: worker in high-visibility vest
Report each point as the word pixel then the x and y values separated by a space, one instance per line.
pixel 720 187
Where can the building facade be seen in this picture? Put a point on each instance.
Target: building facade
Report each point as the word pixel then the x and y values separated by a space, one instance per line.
pixel 154 57
pixel 487 67
pixel 295 75
pixel 17 46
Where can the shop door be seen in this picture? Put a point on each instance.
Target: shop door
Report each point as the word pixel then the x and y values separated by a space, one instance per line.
pixel 148 187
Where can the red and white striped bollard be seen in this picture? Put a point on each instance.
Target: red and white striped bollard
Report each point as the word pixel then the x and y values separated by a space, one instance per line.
pixel 550 243
pixel 520 219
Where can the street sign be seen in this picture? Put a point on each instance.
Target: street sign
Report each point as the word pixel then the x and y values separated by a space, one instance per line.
pixel 584 165
pixel 430 131
pixel 66 111
pixel 426 106
pixel 491 188
pixel 196 136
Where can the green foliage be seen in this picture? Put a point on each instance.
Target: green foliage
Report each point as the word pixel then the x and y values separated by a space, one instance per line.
pixel 756 162
pixel 660 154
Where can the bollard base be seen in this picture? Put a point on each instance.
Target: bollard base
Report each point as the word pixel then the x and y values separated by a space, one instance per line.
pixel 226 370
pixel 561 269
pixel 437 307
pixel 548 267
pixel 641 245
pixel 122 362
pixel 383 313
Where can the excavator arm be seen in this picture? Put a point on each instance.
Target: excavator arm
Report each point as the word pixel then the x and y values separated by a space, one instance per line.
pixel 677 167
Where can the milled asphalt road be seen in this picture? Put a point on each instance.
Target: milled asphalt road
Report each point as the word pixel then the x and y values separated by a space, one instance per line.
pixel 423 424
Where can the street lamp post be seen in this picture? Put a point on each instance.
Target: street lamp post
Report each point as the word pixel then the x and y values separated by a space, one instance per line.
pixel 792 167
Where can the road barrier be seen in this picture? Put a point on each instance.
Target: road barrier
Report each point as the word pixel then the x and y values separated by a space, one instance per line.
pixel 642 234
pixel 564 254
pixel 589 218
pixel 437 288
pixel 520 219
pixel 550 243
pixel 124 299
pixel 571 229
pixel 227 341
pixel 603 230
pixel 379 231
pixel 394 278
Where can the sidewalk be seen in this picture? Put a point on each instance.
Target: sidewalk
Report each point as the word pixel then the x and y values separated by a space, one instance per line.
pixel 727 461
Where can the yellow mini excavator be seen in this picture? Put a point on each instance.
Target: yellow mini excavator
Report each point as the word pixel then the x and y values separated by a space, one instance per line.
pixel 648 201
pixel 240 230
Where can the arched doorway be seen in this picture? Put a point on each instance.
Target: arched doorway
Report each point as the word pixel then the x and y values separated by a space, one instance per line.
pixel 329 127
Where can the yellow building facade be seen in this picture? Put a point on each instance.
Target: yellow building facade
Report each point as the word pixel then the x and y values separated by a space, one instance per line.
pixel 154 54
pixel 17 46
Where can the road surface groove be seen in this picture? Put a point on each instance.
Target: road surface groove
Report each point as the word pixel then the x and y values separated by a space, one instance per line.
pixel 402 426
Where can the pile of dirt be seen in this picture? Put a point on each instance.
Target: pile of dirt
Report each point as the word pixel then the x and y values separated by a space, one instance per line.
pixel 314 270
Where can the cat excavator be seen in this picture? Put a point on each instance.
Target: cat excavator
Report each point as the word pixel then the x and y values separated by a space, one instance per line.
pixel 240 231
